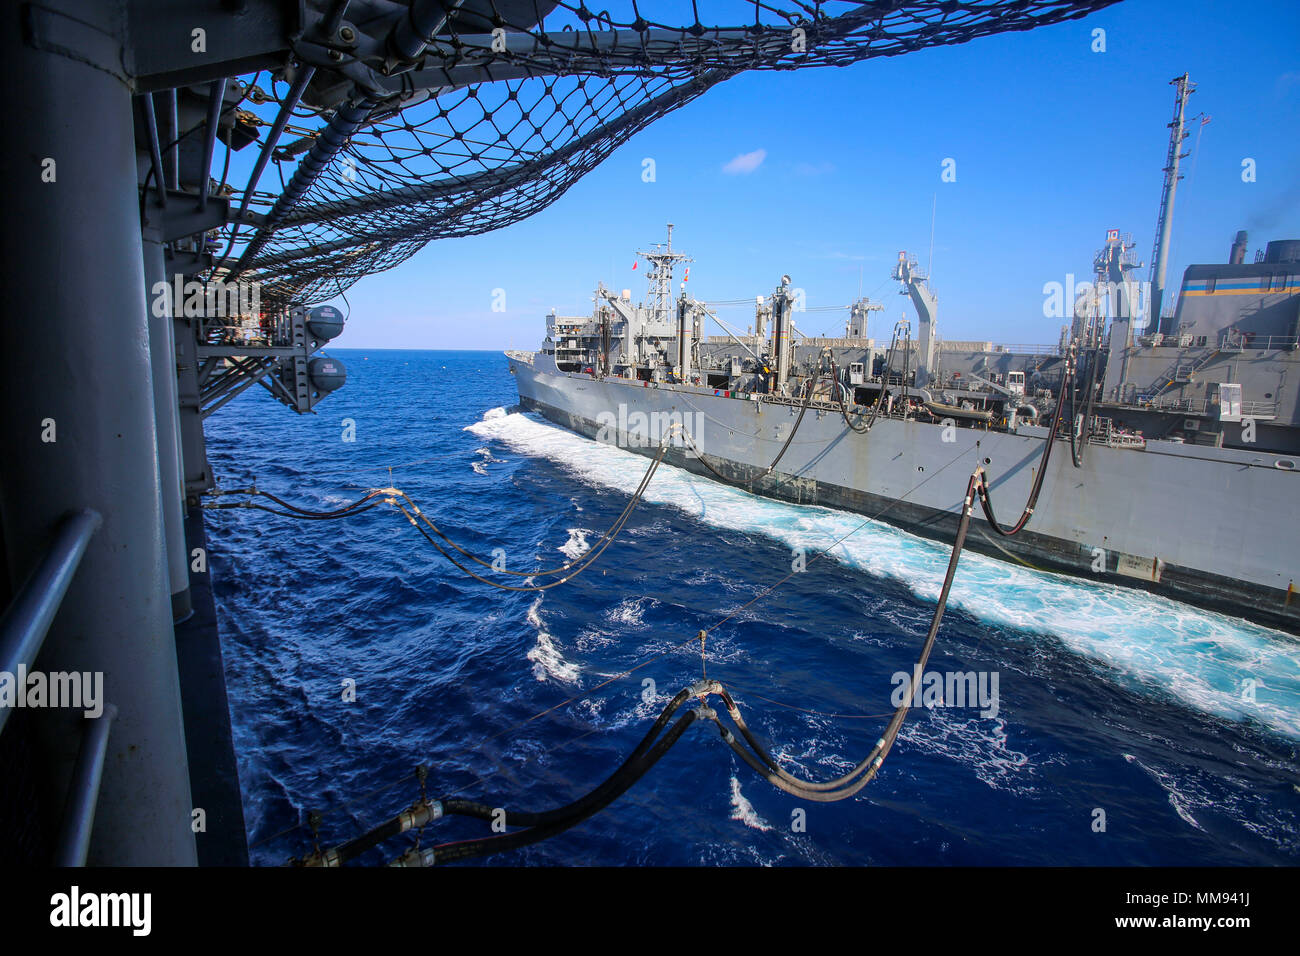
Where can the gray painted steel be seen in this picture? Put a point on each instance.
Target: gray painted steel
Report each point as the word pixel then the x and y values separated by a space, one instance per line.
pixel 1208 515
pixel 171 484
pixel 27 620
pixel 83 361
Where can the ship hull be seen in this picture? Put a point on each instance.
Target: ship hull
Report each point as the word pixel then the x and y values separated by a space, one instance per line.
pixel 1200 525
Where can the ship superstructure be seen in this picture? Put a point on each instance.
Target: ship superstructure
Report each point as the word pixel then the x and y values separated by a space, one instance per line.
pixel 1182 444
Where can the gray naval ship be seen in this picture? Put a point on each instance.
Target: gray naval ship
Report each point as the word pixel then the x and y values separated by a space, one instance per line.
pixel 1179 439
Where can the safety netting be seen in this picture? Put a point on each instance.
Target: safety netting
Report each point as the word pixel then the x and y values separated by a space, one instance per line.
pixel 513 102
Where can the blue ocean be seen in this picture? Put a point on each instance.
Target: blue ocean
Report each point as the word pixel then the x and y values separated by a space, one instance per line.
pixel 1129 729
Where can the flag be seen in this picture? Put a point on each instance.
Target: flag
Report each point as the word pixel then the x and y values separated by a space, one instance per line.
pixel 687 277
pixel 634 265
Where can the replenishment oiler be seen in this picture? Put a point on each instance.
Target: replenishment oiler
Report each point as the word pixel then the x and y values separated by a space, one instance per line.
pixel 1177 444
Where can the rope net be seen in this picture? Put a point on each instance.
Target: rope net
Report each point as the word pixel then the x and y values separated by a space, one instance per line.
pixel 491 127
pixel 471 161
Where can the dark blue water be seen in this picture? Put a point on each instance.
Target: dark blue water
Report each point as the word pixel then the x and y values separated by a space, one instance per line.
pixel 1109 700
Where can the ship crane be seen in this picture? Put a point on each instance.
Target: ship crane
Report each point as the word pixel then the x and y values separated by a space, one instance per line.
pixel 916 286
pixel 691 314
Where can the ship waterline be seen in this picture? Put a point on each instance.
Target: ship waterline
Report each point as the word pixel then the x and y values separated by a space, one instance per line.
pixel 1208 526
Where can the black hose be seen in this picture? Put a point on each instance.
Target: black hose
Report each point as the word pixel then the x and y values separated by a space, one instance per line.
pixel 749 484
pixel 293 511
pixel 575 567
pixel 1079 441
pixel 652 747
pixel 451 852
pixel 844 409
pixel 289 514
pixel 583 563
pixel 857 778
pixel 487 811
pixel 307 513
pixel 986 503
pixel 770 763
pixel 635 767
pixel 884 380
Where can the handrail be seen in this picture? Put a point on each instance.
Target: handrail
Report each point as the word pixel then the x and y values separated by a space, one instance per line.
pixel 1027 349
pixel 1201 406
pixel 27 619
pixel 1241 341
pixel 83 791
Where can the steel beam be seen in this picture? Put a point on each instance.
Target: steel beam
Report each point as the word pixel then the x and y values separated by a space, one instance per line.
pixel 27 620
pixel 216 96
pixel 171 484
pixel 178 44
pixel 194 454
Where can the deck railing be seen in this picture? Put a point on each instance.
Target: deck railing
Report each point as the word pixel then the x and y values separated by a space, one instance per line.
pixel 27 619
pixel 23 629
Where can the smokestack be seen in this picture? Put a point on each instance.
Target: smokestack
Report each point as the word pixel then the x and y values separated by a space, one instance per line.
pixel 1282 250
pixel 1238 254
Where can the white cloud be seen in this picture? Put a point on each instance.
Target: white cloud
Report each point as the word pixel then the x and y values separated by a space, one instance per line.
pixel 745 162
pixel 813 169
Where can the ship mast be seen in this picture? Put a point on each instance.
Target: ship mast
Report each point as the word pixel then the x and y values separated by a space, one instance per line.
pixel 1164 224
pixel 660 276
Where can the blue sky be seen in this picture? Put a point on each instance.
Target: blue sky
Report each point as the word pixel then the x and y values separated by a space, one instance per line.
pixel 1053 145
